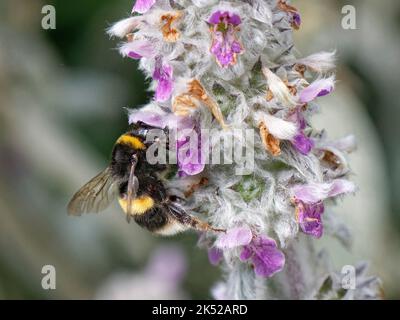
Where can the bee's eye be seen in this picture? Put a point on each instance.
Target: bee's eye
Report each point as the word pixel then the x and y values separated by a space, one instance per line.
pixel 176 199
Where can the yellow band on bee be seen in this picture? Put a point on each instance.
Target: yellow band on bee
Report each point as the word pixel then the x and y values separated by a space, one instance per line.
pixel 131 141
pixel 139 205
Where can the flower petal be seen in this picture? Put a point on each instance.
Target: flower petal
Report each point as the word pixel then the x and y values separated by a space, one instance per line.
pixel 347 144
pixel 318 88
pixel 302 143
pixel 234 19
pixel 147 117
pixel 270 142
pixel 267 258
pixel 161 120
pixel 216 17
pixel 246 253
pixel 279 128
pixel 235 237
pixel 315 192
pixel 296 20
pixel 214 256
pixel 142 6
pixel 163 90
pixel 225 46
pixel 309 218
pixel 191 168
pixel 227 17
pixel 123 27
pixel 278 88
pixel 189 154
pixel 319 62
pixel 163 74
pixel 137 49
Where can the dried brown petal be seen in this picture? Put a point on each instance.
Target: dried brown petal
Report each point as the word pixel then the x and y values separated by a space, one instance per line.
pixel 331 160
pixel 185 103
pixel 197 90
pixel 270 95
pixel 216 111
pixel 286 7
pixel 271 143
pixel 297 214
pixel 292 89
pixel 301 69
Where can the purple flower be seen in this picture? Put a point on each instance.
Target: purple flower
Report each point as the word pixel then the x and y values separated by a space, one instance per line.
pixel 292 12
pixel 189 146
pixel 261 250
pixel 318 88
pixel 163 74
pixel 234 237
pixel 134 55
pixel 137 49
pixel 151 118
pixel 302 143
pixel 309 218
pixel 300 119
pixel 142 6
pixel 190 153
pixel 265 256
pixel 225 47
pixel 214 256
pixel 224 17
pixel 309 199
pixel 296 20
pixel 315 192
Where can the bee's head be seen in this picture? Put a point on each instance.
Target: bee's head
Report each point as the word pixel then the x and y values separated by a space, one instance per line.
pixel 147 133
pixel 141 129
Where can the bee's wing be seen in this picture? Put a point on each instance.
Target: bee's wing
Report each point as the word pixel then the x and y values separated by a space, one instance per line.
pixel 94 196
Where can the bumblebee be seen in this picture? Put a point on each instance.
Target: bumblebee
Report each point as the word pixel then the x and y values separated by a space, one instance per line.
pixel 138 187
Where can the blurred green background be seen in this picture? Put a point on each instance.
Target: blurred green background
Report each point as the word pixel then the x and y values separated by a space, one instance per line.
pixel 62 99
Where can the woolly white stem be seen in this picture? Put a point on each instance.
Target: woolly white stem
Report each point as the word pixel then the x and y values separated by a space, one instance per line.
pixel 241 283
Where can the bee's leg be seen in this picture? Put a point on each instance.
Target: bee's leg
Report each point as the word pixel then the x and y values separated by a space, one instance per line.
pixel 188 220
pixel 200 225
pixel 133 186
